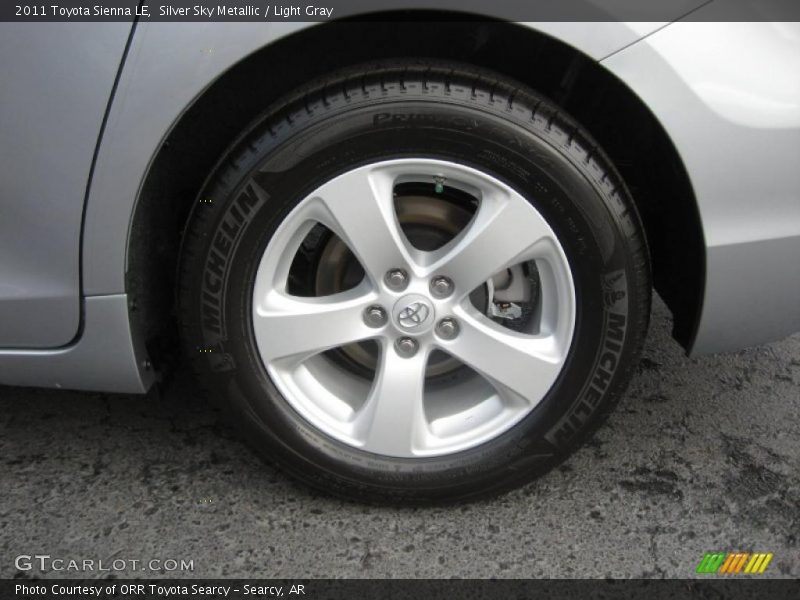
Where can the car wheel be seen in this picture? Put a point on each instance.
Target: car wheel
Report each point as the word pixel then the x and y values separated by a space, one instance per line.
pixel 414 283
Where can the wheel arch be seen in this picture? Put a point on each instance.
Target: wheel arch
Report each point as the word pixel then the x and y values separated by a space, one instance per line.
pixel 624 127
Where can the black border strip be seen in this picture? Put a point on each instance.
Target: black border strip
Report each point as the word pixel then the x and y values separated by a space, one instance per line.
pixel 745 587
pixel 511 10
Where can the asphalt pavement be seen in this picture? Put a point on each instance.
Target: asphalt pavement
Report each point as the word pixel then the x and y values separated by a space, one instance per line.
pixel 701 455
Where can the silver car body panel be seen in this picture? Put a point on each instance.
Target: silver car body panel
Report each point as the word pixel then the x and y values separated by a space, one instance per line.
pixel 106 358
pixel 728 94
pixel 751 220
pixel 56 83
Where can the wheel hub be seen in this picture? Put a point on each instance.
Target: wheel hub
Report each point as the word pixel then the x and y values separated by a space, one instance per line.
pixel 429 222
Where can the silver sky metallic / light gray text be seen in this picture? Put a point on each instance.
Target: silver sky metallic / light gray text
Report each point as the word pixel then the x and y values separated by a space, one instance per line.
pixel 284 11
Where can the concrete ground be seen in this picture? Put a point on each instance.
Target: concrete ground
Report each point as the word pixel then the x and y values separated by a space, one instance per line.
pixel 702 455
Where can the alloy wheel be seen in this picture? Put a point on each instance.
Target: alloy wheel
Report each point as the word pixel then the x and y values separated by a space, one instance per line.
pixel 458 340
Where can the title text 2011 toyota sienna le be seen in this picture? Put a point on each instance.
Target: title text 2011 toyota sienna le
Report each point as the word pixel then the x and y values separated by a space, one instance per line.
pixel 411 258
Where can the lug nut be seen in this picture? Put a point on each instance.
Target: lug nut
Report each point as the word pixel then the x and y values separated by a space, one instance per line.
pixel 406 347
pixel 396 279
pixel 447 328
pixel 375 316
pixel 441 287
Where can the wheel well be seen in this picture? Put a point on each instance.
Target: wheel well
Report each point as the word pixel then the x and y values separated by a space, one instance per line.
pixel 636 143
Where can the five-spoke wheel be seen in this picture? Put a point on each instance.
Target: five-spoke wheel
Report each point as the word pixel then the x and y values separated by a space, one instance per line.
pixel 414 304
